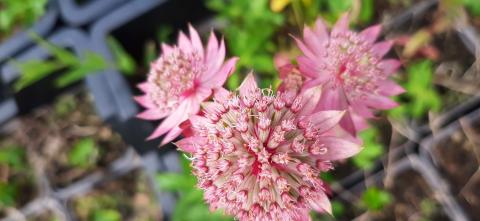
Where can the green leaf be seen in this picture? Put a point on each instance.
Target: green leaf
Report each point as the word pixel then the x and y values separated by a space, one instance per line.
pixel 13 156
pixel 175 181
pixel 107 215
pixel 83 154
pixel 64 56
pixel 191 206
pixel 366 11
pixel 371 152
pixel 8 195
pixel 33 71
pixel 124 61
pixel 91 64
pixel 375 199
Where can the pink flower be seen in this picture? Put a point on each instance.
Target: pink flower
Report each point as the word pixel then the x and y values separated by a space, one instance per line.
pixel 351 69
pixel 180 79
pixel 258 155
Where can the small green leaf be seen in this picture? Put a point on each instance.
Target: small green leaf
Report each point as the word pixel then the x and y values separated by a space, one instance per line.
pixel 124 61
pixel 83 154
pixel 64 56
pixel 107 215
pixel 175 181
pixel 371 152
pixel 13 156
pixel 375 199
pixel 8 194
pixel 33 71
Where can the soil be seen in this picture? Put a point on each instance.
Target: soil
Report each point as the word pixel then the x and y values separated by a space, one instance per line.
pixel 130 196
pixel 458 163
pixel 22 180
pixel 51 132
pixel 413 200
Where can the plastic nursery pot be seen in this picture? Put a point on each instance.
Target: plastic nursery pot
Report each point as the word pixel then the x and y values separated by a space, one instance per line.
pixel 129 197
pixel 454 151
pixel 415 189
pixel 81 12
pixel 18 181
pixel 20 40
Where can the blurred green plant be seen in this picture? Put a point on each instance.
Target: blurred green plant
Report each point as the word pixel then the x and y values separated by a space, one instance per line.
pixel 190 205
pixel 124 61
pixel 84 153
pixel 15 14
pixel 76 68
pixel 420 96
pixel 372 149
pixel 100 207
pixel 106 215
pixel 13 158
pixel 472 6
pixel 250 28
pixel 375 199
pixel 65 104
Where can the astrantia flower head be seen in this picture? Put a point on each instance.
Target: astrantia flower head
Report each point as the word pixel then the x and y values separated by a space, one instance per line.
pixel 350 67
pixel 258 156
pixel 180 79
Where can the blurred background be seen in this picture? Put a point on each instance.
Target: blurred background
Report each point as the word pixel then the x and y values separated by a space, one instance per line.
pixel 72 149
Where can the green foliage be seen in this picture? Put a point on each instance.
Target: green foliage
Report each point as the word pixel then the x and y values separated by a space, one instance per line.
pixel 83 154
pixel 473 6
pixel 332 10
pixel 249 31
pixel 375 199
pixel 66 104
pixel 190 205
pixel 8 194
pixel 106 215
pixel 421 96
pixel 372 149
pixel 13 157
pixel 18 13
pixel 125 62
pixel 76 68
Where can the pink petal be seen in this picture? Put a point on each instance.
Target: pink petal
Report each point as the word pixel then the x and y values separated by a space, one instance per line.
pixel 219 77
pixel 144 86
pixel 312 41
pixel 184 43
pixel 359 122
pixel 172 121
pixel 342 25
pixel 212 47
pixel 347 124
pixel 310 98
pixel 323 78
pixel 321 203
pixel 248 85
pixel 325 120
pixel 172 134
pixel 166 49
pixel 189 144
pixel 308 67
pixel 371 33
pixel 321 30
pixel 202 93
pixel 152 114
pixel 145 101
pixel 337 148
pixel 380 102
pixel 362 110
pixel 390 88
pixel 221 94
pixel 381 48
pixel 306 51
pixel 330 99
pixel 195 39
pixel 280 59
pixel 389 66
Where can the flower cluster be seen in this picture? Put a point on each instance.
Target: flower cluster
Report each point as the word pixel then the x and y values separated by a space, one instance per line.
pixel 258 153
